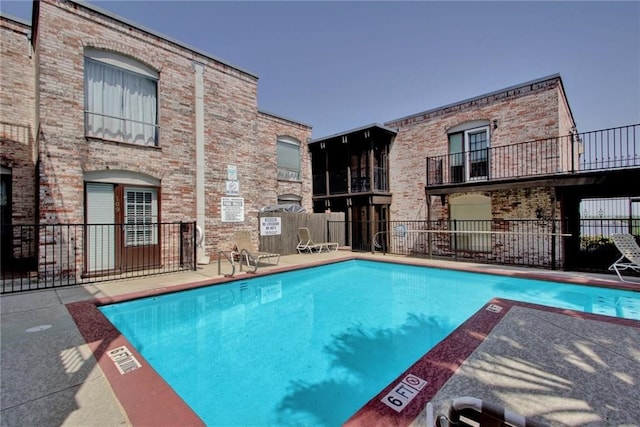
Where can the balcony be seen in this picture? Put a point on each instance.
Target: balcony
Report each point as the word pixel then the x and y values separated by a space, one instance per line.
pixel 358 184
pixel 602 150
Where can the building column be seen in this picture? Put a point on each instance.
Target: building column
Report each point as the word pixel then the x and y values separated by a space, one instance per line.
pixel 198 75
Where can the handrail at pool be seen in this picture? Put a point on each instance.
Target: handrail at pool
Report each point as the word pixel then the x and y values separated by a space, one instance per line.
pixel 472 232
pixel 229 255
pixel 401 233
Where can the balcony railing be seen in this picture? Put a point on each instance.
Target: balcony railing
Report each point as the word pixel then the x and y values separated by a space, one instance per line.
pixel 338 183
pixel 39 256
pixel 607 149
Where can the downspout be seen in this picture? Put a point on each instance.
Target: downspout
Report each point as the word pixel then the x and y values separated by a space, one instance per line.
pixel 198 69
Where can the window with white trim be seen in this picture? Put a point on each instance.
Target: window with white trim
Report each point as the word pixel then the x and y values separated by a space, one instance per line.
pixel 288 159
pixel 121 99
pixel 141 217
pixel 469 154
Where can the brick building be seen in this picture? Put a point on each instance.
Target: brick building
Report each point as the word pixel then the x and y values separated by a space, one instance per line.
pixel 106 122
pixel 18 153
pixel 457 137
pixel 474 161
pixel 487 158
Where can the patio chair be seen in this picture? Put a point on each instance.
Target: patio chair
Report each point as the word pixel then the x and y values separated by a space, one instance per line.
pixel 470 411
pixel 306 244
pixel 629 250
pixel 253 258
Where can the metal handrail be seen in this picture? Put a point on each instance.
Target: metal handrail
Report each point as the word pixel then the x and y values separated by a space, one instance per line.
pixel 244 253
pixel 606 149
pixel 377 244
pixel 229 255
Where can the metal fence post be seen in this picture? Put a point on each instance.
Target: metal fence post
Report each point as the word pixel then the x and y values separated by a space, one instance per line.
pixel 455 239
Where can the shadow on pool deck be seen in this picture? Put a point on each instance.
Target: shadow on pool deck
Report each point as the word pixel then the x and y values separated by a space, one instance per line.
pixel 50 377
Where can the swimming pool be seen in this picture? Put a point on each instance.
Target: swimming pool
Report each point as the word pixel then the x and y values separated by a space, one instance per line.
pixel 310 347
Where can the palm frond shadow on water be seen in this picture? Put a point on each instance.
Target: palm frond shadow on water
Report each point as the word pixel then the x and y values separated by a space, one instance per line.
pixel 361 355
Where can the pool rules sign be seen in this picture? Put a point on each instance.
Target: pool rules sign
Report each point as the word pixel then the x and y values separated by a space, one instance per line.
pixel 232 209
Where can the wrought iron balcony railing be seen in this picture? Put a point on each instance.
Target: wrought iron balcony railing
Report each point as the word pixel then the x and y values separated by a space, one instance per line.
pixel 607 149
pixel 359 184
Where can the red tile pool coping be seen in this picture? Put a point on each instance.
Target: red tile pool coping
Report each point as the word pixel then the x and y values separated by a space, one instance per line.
pixel 148 400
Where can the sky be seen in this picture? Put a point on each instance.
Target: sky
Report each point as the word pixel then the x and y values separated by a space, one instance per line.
pixel 339 65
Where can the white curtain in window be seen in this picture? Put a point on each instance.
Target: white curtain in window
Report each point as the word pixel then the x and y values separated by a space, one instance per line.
pixel 288 161
pixel 120 105
pixel 140 106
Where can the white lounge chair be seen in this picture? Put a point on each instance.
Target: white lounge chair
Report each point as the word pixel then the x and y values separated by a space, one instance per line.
pixel 630 252
pixel 244 248
pixel 305 244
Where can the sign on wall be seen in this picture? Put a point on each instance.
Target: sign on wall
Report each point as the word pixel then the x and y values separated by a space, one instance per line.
pixel 232 172
pixel 270 226
pixel 232 209
pixel 232 186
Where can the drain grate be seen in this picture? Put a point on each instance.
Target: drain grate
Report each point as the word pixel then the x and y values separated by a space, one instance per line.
pixel 124 360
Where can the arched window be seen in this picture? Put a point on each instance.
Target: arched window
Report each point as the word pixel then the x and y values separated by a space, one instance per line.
pixel 289 199
pixel 121 98
pixel 288 159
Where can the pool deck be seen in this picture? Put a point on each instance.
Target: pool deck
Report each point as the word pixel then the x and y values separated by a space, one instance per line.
pixel 557 366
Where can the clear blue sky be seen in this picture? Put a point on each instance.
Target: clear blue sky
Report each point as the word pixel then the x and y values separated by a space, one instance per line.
pixel 340 65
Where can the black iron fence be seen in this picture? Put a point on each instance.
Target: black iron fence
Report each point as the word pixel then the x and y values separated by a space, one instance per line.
pixel 597 250
pixel 522 242
pixel 607 149
pixel 53 255
pixel 358 184
pixel 535 243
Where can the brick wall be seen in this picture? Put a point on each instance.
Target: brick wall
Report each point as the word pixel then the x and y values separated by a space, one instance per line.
pixel 17 117
pixel 524 113
pixel 234 132
pixel 271 127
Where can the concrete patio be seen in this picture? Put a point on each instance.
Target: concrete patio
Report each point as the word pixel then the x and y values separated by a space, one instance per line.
pixel 548 365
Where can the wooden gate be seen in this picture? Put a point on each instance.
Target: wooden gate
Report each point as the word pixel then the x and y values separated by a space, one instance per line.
pixel 286 242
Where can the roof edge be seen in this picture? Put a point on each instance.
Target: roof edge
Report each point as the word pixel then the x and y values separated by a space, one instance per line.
pixel 279 116
pixel 15 19
pixel 360 128
pixel 128 22
pixel 475 98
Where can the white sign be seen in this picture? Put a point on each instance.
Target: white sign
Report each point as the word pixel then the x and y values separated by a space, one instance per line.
pixel 124 360
pixel 270 226
pixel 232 172
pixel 404 392
pixel 232 188
pixel 232 209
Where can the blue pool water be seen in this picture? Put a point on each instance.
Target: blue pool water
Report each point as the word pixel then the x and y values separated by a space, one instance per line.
pixel 310 347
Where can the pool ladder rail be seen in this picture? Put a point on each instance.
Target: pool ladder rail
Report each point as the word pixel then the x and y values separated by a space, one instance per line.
pixel 467 411
pixel 229 256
